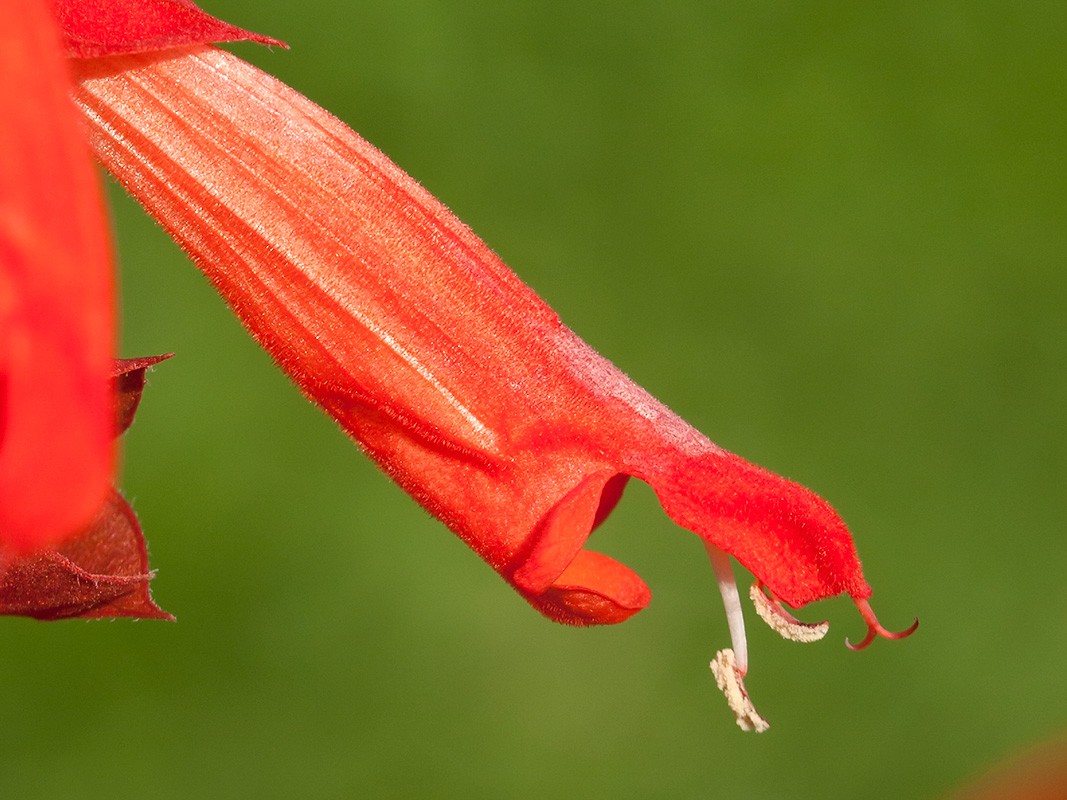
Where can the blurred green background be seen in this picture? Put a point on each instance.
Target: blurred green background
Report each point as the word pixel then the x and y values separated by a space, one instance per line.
pixel 832 236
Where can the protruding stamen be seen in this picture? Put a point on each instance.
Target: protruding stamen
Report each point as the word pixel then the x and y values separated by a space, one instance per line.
pixel 874 627
pixel 729 679
pixel 724 575
pixel 781 621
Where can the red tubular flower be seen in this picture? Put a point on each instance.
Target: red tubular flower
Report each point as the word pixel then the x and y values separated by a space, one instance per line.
pixel 449 371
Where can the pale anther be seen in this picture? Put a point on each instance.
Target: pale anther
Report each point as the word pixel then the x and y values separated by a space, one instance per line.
pixel 782 622
pixel 731 683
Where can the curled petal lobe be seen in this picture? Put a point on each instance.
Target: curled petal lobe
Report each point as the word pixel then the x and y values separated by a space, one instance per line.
pixel 594 589
pixel 875 628
pixel 560 535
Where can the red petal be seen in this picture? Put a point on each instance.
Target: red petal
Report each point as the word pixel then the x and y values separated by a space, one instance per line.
pixel 129 376
pixel 102 572
pixel 593 590
pixel 109 27
pixel 783 533
pixel 55 296
pixel 453 375
pixel 572 585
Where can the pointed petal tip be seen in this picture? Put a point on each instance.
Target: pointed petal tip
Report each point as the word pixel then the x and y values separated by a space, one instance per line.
pixel 123 365
pixel 136 26
pixel 128 375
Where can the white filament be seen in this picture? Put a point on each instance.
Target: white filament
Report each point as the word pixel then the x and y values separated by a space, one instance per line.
pixel 724 574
